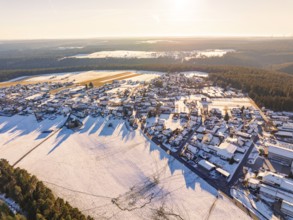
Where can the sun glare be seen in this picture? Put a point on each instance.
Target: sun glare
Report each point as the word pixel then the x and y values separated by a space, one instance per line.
pixel 182 10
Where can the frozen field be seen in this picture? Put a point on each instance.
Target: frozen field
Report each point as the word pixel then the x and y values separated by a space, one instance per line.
pixel 79 77
pixel 128 54
pixel 229 103
pixel 110 172
pixel 74 76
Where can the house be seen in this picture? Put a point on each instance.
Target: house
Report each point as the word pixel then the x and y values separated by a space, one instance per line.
pixel 277 180
pixel 253 183
pixel 225 150
pixel 280 154
pixel 287 208
pixel 222 172
pixel 206 165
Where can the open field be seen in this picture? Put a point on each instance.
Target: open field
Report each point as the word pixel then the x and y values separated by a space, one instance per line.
pixel 229 103
pixel 111 172
pixel 108 79
pixel 98 78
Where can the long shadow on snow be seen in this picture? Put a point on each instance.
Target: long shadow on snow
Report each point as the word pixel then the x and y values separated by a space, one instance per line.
pixel 62 136
pixel 191 179
pixel 109 127
pixel 126 133
pixel 88 122
pixel 22 125
pixel 98 124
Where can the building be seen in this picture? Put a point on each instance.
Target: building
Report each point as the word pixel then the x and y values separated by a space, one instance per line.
pixel 206 165
pixel 274 193
pixel 280 154
pixel 253 183
pixel 225 150
pixel 277 180
pixel 224 173
pixel 287 208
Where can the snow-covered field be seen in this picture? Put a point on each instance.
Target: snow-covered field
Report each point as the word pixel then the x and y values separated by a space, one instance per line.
pixel 195 73
pixel 83 76
pixel 229 103
pixel 110 172
pixel 18 134
pixel 74 76
pixel 129 54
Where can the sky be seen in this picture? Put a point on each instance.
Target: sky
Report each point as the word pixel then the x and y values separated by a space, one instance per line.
pixel 54 19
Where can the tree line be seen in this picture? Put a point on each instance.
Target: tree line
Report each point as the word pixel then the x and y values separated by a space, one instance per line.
pixel 36 200
pixel 270 89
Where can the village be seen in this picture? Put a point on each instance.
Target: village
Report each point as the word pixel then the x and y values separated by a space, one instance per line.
pixel 241 150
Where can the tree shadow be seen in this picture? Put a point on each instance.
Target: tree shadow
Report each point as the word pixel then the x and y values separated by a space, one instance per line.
pixel 191 179
pixel 18 126
pixel 109 127
pixel 62 136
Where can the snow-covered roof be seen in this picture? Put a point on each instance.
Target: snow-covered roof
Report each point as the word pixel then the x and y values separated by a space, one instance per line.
pixel 276 193
pixel 253 181
pixel 223 172
pixel 287 205
pixel 284 133
pixel 206 164
pixel 225 149
pixel 192 149
pixel 286 152
pixel 280 180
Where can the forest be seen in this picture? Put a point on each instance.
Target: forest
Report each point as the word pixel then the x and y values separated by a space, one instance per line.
pixel 36 200
pixel 268 89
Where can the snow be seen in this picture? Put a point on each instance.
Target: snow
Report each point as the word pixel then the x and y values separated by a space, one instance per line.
pixel 155 41
pixel 73 76
pixel 225 165
pixel 229 103
pixel 128 54
pixel 82 76
pixel 19 133
pixel 249 201
pixel 18 79
pixel 110 172
pixel 195 73
pixel 168 121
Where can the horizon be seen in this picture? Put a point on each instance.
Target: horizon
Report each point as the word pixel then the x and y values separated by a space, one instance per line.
pixel 179 37
pixel 51 19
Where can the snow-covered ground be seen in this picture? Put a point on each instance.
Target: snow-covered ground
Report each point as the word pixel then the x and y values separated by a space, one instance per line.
pixel 128 54
pixel 74 76
pixel 78 77
pixel 195 73
pixel 110 172
pixel 261 210
pixel 229 103
pixel 18 134
pixel 168 121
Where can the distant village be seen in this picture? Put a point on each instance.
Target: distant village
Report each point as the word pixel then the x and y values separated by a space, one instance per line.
pixel 241 150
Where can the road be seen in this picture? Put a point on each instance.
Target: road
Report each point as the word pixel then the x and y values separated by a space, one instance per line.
pixel 239 171
pixel 260 111
pixel 219 184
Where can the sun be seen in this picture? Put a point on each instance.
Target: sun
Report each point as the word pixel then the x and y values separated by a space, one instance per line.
pixel 182 10
pixel 181 4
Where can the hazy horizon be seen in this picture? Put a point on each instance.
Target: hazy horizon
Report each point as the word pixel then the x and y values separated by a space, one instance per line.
pixel 64 19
